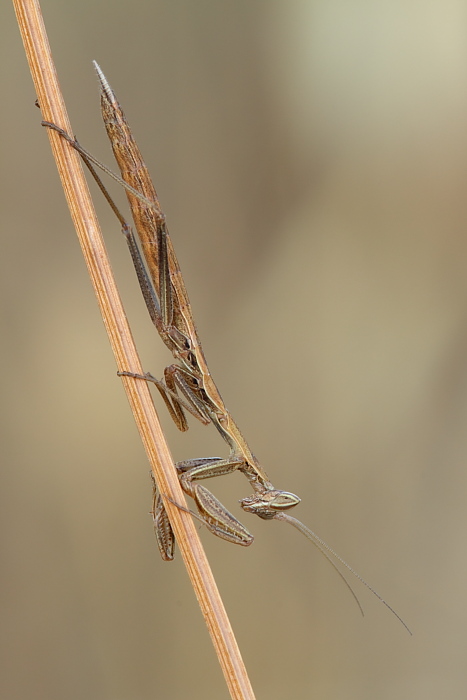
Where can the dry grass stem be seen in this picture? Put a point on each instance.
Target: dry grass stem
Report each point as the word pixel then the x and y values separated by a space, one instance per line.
pixel 87 227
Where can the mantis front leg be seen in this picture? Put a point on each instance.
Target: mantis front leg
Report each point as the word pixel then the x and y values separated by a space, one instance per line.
pixel 211 512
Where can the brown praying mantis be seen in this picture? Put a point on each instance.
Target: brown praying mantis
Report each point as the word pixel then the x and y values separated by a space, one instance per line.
pixel 188 384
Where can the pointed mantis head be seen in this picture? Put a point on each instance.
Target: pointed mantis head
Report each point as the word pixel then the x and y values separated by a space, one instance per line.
pixel 267 504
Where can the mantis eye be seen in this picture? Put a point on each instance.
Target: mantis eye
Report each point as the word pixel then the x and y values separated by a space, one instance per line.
pixel 284 500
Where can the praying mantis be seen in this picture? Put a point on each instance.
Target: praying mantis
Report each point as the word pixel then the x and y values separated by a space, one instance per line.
pixel 188 385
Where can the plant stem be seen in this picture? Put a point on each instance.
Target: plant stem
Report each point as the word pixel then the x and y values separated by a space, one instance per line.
pixel 87 227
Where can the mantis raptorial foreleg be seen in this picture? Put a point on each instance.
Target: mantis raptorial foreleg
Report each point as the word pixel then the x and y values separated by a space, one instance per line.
pixel 218 519
pixel 212 512
pixel 162 528
pixel 194 470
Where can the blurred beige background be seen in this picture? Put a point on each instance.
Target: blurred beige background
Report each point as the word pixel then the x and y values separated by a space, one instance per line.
pixel 311 158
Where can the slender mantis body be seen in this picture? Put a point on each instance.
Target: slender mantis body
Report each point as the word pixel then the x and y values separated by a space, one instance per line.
pixel 188 385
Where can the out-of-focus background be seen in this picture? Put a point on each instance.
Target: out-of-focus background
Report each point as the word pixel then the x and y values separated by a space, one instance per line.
pixel 311 158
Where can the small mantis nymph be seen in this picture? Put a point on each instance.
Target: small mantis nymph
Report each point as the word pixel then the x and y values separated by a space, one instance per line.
pixel 188 384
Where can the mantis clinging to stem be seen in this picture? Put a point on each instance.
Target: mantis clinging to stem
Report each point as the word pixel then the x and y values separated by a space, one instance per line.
pixel 188 384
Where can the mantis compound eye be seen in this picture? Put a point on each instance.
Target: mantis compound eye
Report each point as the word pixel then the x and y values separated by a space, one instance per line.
pixel 284 500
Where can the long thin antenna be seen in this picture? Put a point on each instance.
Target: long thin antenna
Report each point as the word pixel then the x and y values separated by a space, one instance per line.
pixel 321 545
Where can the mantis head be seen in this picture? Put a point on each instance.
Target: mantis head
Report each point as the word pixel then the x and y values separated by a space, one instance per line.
pixel 268 503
